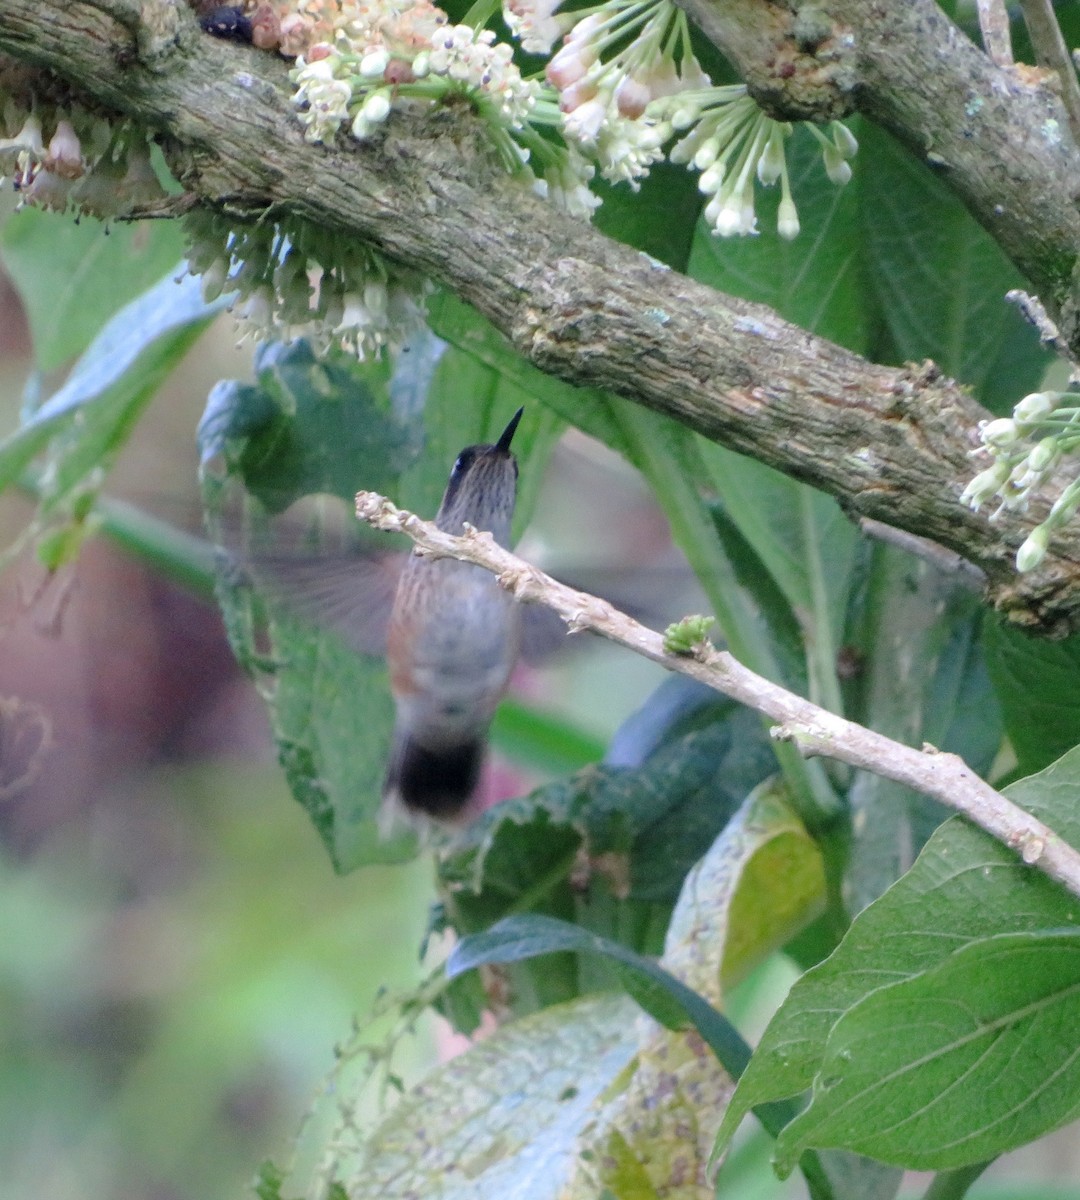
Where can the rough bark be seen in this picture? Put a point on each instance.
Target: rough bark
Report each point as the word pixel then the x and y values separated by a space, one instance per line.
pixel 890 444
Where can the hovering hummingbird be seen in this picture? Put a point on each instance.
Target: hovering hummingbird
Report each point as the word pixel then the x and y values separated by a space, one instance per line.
pixel 453 640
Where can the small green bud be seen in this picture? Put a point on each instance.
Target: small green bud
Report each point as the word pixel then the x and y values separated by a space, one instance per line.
pixel 683 637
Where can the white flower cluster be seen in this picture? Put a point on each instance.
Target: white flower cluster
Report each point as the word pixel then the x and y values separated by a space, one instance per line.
pixel 626 81
pixel 85 164
pixel 624 100
pixel 406 54
pixel 606 100
pixel 1026 448
pixel 300 282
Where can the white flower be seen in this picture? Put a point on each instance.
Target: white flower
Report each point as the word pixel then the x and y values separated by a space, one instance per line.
pixel 213 279
pixel 844 140
pixel 583 123
pixel 64 156
pixel 1000 434
pixel 986 484
pixel 533 23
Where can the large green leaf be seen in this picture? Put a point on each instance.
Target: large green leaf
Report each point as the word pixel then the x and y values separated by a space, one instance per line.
pixel 965 889
pixel 737 902
pixel 661 994
pixel 108 386
pixel 83 426
pixel 501 1120
pixel 335 426
pixel 73 277
pixel 941 279
pixel 1035 680
pixel 631 216
pixel 967 1060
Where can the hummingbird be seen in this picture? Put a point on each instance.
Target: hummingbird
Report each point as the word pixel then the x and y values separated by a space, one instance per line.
pixel 453 639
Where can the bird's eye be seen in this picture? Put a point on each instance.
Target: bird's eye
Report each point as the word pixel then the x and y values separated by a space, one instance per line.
pixel 464 461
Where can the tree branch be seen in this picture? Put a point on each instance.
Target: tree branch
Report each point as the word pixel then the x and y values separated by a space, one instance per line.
pixel 891 444
pixel 815 731
pixel 1000 141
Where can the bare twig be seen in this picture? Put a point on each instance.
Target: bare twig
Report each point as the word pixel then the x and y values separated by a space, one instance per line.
pixel 994 26
pixel 814 730
pixel 1051 51
pixel 945 560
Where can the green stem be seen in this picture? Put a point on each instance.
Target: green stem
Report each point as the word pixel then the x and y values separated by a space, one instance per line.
pixel 182 557
pixel 649 438
pixel 951 1185
pixel 821 647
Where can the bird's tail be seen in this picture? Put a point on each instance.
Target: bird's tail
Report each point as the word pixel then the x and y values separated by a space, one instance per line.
pixel 433 782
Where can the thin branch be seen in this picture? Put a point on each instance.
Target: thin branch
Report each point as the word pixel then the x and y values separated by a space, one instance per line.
pixel 994 27
pixel 1051 51
pixel 814 730
pixel 944 560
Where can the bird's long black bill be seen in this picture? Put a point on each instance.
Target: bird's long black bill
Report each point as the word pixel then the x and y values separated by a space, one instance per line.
pixel 507 435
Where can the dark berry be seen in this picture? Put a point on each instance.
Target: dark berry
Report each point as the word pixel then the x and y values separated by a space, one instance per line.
pixel 227 21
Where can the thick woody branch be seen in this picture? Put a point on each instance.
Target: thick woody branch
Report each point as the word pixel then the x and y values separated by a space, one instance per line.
pixel 891 444
pixel 814 730
pixel 999 137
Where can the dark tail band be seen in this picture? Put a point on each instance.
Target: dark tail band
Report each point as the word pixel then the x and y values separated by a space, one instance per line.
pixel 436 783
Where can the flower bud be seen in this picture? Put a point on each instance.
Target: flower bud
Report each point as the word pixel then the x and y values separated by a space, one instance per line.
pixel 835 166
pixel 1033 551
pixel 787 219
pixel 1044 455
pixel 374 63
pixel 711 179
pixel 771 163
pixel 1035 406
pixel 376 107
pixel 1000 434
pixel 705 155
pixel 844 140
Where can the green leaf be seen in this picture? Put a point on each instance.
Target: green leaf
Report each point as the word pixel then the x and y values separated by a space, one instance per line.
pixel 941 279
pixel 72 277
pixel 1035 684
pixel 630 216
pixel 958 1064
pixel 87 420
pixel 502 1119
pixel 307 426
pixel 964 888
pixel 530 935
pixel 539 739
